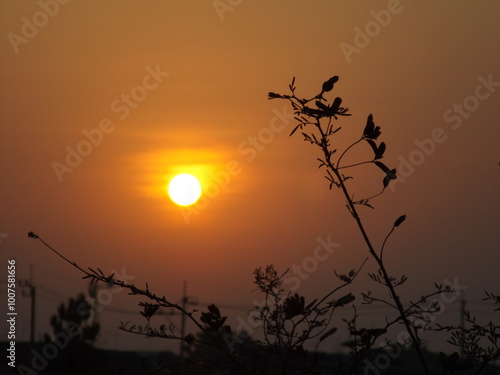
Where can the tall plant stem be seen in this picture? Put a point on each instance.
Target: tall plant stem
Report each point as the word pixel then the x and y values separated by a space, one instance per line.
pixel 385 275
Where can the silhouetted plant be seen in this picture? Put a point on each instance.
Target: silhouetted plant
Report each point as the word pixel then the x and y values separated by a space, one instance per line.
pixel 316 121
pixel 479 342
pixel 317 118
pixel 288 321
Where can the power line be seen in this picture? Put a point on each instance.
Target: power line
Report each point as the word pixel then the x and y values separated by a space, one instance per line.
pixel 47 296
pixel 52 291
pixel 119 311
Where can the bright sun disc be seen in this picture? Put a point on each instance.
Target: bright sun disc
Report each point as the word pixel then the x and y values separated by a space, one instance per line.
pixel 184 189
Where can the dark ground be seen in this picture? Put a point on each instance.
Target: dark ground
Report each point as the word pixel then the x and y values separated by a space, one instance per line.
pixel 34 359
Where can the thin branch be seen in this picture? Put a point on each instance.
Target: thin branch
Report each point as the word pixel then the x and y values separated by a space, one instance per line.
pixel 324 143
pixel 162 301
pixel 345 151
pixel 383 244
pixel 356 164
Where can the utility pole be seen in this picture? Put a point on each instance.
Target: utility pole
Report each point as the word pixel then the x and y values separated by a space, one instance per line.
pixel 186 300
pixel 31 292
pixel 462 323
pixel 183 316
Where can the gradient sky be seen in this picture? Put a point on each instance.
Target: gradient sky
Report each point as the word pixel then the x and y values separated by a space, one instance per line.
pixel 68 77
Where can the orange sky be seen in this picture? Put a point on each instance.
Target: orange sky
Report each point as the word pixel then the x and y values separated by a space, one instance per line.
pixel 174 86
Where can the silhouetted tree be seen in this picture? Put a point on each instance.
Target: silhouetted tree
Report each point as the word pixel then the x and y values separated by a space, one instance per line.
pixel 74 321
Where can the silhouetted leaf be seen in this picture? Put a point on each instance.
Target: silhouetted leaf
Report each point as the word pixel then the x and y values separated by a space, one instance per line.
pixel 400 219
pixel 328 334
pixel 343 112
pixel 273 95
pixel 149 309
pixel 380 151
pixel 328 85
pixel 295 129
pixel 388 178
pixel 213 318
pixel 371 131
pixel 293 306
pixel 336 104
pixel 370 125
pixel 344 300
pixel 321 105
pixel 32 235
pixel 206 317
pixel 214 310
pixel 313 112
pixel 387 171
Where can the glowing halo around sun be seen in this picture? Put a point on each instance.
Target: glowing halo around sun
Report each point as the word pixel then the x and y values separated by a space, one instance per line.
pixel 184 189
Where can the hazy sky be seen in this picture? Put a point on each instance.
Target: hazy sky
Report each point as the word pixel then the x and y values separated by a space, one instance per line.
pixel 162 87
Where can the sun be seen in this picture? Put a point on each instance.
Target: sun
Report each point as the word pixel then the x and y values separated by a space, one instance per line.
pixel 184 189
